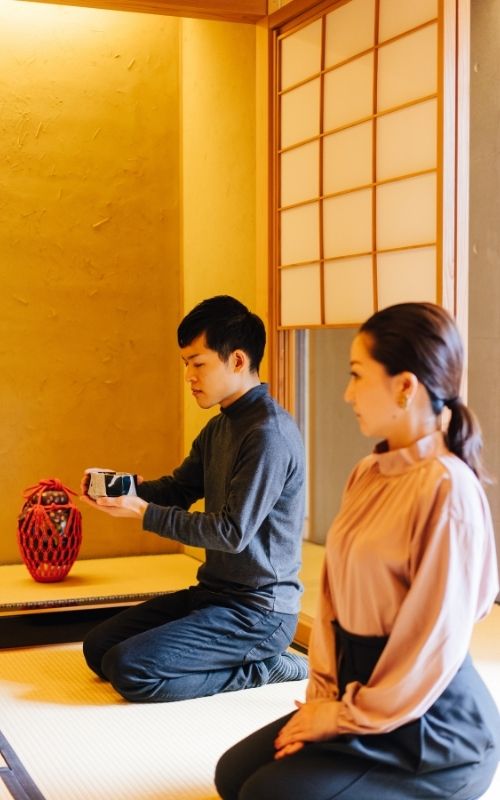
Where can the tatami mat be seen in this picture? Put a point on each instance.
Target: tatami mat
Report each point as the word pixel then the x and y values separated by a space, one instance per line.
pixel 79 741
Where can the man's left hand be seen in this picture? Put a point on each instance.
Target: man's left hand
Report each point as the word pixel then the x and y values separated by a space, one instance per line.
pixel 125 506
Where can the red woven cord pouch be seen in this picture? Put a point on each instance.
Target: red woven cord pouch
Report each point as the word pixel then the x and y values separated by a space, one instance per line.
pixel 49 530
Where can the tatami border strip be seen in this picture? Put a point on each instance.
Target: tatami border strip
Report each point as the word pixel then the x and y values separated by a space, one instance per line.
pixel 73 602
pixel 19 783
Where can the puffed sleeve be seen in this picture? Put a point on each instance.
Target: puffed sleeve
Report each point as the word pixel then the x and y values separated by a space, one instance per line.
pixel 322 651
pixel 453 583
pixel 322 655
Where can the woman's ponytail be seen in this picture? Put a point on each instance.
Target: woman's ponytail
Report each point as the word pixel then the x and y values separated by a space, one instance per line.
pixel 464 437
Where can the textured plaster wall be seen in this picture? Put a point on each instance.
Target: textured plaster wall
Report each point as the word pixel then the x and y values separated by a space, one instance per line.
pixel 219 177
pixel 89 255
pixel 219 171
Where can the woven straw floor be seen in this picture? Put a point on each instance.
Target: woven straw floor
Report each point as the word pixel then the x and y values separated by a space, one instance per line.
pixel 65 735
pixel 77 740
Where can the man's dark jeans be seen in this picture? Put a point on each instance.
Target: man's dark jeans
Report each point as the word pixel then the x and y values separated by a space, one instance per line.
pixel 186 644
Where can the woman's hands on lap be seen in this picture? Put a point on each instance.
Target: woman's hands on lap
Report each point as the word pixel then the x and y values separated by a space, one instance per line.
pixel 314 721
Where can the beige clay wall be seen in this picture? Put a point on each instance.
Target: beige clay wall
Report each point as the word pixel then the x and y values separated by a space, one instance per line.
pixel 218 143
pixel 89 255
pixel 131 162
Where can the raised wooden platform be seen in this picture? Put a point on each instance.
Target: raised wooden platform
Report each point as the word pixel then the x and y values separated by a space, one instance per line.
pixel 96 582
pixel 97 588
pixel 46 613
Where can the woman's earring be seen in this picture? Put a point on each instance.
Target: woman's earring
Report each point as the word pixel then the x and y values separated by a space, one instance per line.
pixel 403 401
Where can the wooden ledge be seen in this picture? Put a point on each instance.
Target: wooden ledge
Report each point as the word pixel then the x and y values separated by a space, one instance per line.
pixel 96 582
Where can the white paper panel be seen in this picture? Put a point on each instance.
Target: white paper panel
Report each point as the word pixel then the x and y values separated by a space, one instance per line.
pixel 408 275
pixel 406 212
pixel 348 290
pixel 300 234
pixel 349 93
pixel 397 16
pixel 350 29
pixel 347 158
pixel 300 113
pixel 301 295
pixel 300 174
pixel 301 54
pixel 407 140
pixel 347 226
pixel 407 68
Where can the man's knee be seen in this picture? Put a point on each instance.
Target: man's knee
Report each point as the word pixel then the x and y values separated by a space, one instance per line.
pixel 131 679
pixel 93 652
pixel 141 690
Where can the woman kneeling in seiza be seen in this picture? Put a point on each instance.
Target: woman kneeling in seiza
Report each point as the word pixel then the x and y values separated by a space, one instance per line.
pixel 395 708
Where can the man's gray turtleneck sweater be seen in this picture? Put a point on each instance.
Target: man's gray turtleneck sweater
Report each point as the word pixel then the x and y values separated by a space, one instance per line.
pixel 248 464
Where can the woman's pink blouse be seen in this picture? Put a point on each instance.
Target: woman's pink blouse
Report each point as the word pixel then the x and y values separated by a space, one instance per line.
pixel 411 555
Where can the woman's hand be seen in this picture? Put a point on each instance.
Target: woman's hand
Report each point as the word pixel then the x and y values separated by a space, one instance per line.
pixel 314 721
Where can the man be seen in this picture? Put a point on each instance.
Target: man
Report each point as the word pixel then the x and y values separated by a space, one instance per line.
pixel 231 630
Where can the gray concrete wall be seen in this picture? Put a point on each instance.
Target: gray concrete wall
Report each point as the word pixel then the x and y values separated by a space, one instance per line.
pixel 484 294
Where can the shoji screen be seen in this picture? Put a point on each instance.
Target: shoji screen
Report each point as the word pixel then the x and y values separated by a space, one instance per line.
pixel 360 161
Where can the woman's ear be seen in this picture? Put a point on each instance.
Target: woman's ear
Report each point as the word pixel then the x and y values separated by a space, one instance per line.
pixel 406 385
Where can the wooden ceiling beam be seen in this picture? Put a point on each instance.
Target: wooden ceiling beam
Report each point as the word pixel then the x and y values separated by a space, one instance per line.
pixel 249 11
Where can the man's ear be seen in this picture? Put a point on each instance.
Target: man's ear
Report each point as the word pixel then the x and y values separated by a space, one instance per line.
pixel 240 360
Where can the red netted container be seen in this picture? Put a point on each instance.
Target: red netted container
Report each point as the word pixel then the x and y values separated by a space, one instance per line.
pixel 49 530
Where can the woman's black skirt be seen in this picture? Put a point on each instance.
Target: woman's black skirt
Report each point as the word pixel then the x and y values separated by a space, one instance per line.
pixel 461 727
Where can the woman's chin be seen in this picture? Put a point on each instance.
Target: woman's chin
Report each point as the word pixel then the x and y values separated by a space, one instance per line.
pixel 364 429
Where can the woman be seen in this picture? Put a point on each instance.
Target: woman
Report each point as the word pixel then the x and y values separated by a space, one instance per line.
pixel 394 708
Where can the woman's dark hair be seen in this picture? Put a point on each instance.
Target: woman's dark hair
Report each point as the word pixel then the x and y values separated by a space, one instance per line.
pixel 422 338
pixel 228 325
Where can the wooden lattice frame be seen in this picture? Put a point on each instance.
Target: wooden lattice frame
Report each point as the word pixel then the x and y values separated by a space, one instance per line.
pixel 452 171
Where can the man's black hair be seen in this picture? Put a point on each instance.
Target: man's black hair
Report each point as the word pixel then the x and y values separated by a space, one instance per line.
pixel 228 325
